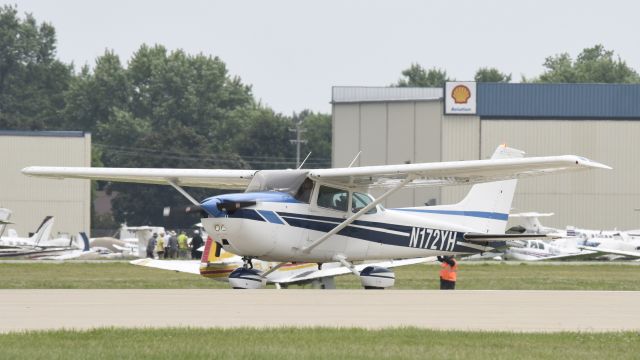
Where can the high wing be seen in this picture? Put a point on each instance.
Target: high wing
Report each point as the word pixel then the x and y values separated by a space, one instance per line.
pixel 584 255
pixel 206 178
pixel 340 270
pixel 453 172
pixel 605 251
pixel 423 174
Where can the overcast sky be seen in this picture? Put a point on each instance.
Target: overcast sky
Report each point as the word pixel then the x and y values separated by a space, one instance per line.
pixel 292 52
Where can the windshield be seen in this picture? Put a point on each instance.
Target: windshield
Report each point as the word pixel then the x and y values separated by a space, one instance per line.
pixel 360 200
pixel 288 181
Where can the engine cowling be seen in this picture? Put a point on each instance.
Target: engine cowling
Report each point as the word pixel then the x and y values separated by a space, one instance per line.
pixel 377 277
pixel 242 278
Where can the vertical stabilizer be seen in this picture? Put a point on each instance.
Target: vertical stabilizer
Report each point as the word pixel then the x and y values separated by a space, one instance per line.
pixel 44 231
pixel 85 241
pixel 5 215
pixel 486 207
pixel 532 224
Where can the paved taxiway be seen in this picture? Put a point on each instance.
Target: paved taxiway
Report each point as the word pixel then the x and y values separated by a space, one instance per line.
pixel 463 310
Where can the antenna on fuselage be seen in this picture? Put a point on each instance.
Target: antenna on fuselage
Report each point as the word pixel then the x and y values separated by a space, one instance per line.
pixel 304 161
pixel 355 158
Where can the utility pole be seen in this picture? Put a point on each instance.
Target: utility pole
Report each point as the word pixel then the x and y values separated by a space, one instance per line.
pixel 298 140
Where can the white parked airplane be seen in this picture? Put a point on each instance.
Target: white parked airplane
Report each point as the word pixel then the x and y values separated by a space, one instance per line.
pixel 42 233
pixel 326 215
pixel 572 242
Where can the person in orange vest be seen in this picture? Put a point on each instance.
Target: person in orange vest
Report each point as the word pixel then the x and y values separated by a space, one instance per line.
pixel 448 270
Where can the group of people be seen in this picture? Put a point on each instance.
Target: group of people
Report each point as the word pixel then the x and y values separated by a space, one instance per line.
pixel 174 246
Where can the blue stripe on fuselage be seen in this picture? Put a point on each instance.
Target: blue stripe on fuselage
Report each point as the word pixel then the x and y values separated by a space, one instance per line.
pixel 270 216
pixel 478 214
pixel 326 224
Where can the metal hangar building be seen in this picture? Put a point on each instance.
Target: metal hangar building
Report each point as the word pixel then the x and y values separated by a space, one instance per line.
pixel 31 199
pixel 410 125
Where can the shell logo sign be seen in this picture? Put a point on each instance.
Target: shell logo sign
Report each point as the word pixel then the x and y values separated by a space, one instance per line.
pixel 460 97
pixel 460 94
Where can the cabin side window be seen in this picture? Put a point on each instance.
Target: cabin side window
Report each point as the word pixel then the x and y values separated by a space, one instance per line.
pixel 359 201
pixel 333 198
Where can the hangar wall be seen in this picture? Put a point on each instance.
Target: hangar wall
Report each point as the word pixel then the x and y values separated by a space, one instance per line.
pixel 389 133
pixel 581 199
pixel 381 127
pixel 31 199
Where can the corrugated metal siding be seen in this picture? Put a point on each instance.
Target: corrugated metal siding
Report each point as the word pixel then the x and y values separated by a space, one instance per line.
pixel 389 133
pixel 597 198
pixel 583 101
pixel 346 94
pixel 460 141
pixel 31 199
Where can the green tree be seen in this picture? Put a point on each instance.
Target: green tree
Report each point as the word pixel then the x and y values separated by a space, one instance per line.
pixel 92 98
pixel 318 135
pixel 263 138
pixel 32 81
pixel 593 65
pixel 491 75
pixel 166 109
pixel 417 76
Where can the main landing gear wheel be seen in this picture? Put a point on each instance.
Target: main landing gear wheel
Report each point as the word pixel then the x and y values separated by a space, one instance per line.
pixel 377 277
pixel 245 278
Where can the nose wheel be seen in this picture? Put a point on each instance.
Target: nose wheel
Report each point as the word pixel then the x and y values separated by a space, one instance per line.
pixel 247 262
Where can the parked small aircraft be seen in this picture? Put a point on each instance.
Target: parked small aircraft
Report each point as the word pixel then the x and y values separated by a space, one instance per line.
pixel 572 243
pixel 326 215
pixel 41 234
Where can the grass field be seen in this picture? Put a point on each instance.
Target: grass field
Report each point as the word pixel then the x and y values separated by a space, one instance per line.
pixel 471 276
pixel 314 343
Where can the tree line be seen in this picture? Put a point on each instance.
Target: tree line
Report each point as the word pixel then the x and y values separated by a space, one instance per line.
pixel 593 65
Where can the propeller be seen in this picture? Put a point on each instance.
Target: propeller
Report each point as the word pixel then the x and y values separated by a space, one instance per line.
pixel 191 209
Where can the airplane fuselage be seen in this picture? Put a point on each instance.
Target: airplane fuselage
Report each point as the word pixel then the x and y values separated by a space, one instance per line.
pixel 278 228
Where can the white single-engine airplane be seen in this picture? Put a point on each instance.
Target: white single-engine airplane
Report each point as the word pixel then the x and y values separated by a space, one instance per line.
pixel 326 215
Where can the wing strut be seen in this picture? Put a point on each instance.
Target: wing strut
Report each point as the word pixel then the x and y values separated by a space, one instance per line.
pixel 183 192
pixel 355 216
pixel 265 274
pixel 343 260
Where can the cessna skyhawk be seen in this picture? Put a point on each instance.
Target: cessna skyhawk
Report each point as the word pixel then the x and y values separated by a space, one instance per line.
pixel 327 215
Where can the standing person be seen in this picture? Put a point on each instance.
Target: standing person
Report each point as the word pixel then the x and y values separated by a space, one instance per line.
pixel 183 245
pixel 448 272
pixel 160 246
pixel 173 245
pixel 196 243
pixel 151 245
pixel 166 244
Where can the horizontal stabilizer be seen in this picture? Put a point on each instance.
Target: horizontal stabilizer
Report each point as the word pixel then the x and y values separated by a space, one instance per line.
pixel 185 266
pixel 505 237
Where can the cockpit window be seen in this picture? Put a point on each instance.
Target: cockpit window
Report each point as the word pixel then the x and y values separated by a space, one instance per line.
pixel 333 198
pixel 360 200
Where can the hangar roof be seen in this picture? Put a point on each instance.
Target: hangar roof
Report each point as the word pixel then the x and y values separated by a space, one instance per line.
pixel 42 133
pixel 524 101
pixel 351 94
pixel 579 101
